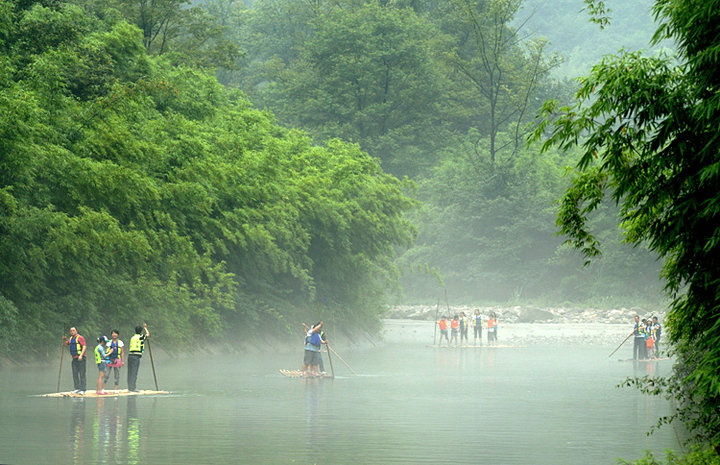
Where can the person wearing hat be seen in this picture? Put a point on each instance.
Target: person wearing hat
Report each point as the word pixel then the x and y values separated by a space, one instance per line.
pixel 101 362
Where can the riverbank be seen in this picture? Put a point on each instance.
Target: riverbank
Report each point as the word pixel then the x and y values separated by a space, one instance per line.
pixel 526 314
pixel 514 315
pixel 520 335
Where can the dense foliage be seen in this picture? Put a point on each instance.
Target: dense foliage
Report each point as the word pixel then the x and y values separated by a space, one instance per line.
pixel 697 456
pixel 134 188
pixel 652 143
pixel 443 93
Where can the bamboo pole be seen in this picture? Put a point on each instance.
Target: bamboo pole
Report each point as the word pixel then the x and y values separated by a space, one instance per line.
pixel 62 353
pixel 332 370
pixel 152 362
pixel 341 359
pixel 623 342
pixel 435 323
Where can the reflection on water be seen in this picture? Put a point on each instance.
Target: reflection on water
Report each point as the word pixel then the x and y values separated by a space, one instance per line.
pixel 109 434
pixel 314 424
pixel 133 432
pixel 77 431
pixel 410 404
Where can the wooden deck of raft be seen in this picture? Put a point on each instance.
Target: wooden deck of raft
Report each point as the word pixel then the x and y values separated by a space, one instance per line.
pixel 444 346
pixel 298 374
pixel 110 393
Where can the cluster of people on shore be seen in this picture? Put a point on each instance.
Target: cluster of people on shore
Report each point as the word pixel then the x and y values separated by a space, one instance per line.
pixel 460 325
pixel 647 333
pixel 109 358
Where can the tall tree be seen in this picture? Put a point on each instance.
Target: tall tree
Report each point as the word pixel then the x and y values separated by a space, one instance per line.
pixel 187 32
pixel 500 64
pixel 365 74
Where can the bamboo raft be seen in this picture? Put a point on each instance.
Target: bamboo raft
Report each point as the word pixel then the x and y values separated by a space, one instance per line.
pixel 474 347
pixel 109 393
pixel 643 359
pixel 298 374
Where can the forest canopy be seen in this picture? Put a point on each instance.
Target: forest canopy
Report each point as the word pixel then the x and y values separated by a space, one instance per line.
pixel 137 189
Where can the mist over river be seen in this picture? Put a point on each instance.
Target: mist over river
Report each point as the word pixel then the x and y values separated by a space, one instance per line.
pixel 548 395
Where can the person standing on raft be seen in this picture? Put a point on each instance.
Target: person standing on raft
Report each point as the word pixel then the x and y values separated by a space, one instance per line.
pixel 657 329
pixel 136 349
pixel 477 325
pixel 492 329
pixel 454 329
pixel 323 338
pixel 313 343
pixel 101 362
pixel 443 330
pixel 116 357
pixel 77 350
pixel 639 347
pixel 464 326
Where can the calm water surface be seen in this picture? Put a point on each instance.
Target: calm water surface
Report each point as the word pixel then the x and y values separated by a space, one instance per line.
pixel 549 399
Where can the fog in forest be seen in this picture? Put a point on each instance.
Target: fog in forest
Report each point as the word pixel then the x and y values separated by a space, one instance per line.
pixel 230 171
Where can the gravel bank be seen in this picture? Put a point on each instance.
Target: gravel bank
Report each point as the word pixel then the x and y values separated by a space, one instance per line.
pixel 528 314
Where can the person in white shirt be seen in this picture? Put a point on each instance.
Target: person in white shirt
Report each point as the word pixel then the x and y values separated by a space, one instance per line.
pixel 116 358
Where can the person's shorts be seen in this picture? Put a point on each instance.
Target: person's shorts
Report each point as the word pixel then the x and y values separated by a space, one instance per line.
pixel 102 366
pixel 311 357
pixel 443 332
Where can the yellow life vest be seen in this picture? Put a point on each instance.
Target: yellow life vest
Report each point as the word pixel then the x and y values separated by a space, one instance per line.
pixel 137 344
pixel 98 357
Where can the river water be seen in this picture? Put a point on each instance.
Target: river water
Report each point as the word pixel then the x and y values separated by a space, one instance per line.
pixel 548 396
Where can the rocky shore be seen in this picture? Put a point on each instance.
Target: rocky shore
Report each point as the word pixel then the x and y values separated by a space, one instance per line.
pixel 527 314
